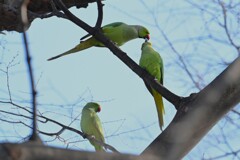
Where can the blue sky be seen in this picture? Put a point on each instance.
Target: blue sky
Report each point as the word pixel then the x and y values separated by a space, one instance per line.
pixel 65 85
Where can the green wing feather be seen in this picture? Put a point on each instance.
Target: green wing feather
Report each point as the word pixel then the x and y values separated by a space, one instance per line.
pixel 98 130
pixel 112 26
pixel 107 28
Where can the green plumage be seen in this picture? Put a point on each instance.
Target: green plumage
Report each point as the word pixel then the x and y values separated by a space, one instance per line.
pixel 152 62
pixel 117 32
pixel 91 124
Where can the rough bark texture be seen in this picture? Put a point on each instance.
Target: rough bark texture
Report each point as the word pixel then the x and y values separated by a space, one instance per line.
pixel 32 151
pixel 10 11
pixel 198 115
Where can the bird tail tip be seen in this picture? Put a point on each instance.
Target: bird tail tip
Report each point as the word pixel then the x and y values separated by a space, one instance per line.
pixel 160 108
pixel 55 57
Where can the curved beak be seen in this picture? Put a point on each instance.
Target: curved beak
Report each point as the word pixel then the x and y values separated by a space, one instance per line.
pixel 99 109
pixel 147 38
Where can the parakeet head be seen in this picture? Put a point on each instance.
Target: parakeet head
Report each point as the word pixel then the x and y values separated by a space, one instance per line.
pixel 145 44
pixel 92 105
pixel 143 32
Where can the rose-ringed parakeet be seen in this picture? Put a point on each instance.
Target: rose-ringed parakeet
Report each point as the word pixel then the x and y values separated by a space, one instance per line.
pixel 152 62
pixel 117 32
pixel 91 124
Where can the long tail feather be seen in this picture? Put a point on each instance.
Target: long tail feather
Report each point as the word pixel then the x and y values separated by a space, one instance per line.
pixel 160 107
pixel 83 45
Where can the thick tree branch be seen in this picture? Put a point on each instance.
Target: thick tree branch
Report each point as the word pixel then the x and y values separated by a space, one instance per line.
pixel 31 151
pixel 171 97
pixel 198 115
pixel 9 12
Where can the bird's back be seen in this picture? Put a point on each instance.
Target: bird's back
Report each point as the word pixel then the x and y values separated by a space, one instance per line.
pixel 120 33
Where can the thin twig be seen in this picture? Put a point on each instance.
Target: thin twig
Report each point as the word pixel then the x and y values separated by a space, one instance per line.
pixel 225 26
pixel 8 85
pixel 236 112
pixel 100 14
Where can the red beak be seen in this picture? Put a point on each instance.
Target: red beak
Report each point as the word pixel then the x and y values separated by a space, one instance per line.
pixel 147 37
pixel 99 109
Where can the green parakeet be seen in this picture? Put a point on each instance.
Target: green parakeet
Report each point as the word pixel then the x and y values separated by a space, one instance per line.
pixel 152 62
pixel 117 32
pixel 91 124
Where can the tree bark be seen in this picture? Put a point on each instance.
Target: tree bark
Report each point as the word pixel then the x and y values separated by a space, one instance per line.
pixel 198 115
pixel 33 151
pixel 10 11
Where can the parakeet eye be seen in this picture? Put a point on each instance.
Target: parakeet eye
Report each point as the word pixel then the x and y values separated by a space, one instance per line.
pixel 99 109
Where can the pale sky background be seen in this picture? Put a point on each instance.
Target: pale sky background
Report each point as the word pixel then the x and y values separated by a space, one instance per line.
pixel 65 85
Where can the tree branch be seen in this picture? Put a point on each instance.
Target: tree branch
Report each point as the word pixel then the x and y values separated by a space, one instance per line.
pixel 225 26
pixel 34 136
pixel 9 12
pixel 30 151
pixel 198 115
pixel 100 14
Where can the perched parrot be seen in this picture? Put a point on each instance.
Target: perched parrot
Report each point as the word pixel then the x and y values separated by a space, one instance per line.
pixel 118 32
pixel 152 62
pixel 91 124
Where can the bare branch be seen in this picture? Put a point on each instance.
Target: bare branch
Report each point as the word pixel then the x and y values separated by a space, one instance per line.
pixel 225 26
pixel 225 155
pixel 100 14
pixel 7 74
pixel 34 136
pixel 236 112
